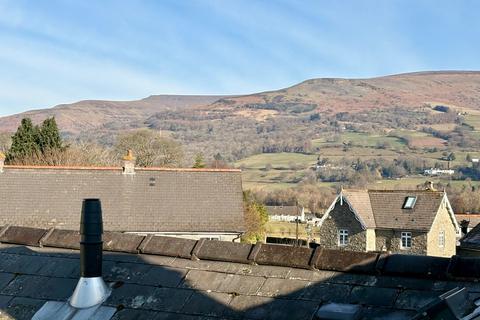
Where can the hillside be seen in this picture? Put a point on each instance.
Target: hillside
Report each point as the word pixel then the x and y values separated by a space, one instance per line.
pixel 420 115
pixel 328 95
pixel 97 114
pixel 460 89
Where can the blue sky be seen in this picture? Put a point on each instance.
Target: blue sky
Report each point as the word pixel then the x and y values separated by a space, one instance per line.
pixel 54 52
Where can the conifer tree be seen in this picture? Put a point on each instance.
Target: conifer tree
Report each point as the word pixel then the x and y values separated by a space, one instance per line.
pixel 199 162
pixel 31 144
pixel 49 137
pixel 24 141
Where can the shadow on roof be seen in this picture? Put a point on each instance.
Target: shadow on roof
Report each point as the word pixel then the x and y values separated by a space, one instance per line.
pixel 281 286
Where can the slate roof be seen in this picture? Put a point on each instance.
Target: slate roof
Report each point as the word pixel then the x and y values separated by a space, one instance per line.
pixel 383 209
pixel 151 200
pixel 360 202
pixel 472 239
pixel 283 210
pixel 472 218
pixel 171 278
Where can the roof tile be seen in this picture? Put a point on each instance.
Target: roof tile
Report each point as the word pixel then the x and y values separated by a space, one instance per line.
pixel 23 308
pixel 328 292
pixel 167 299
pixel 414 300
pixel 22 235
pixel 5 279
pixel 170 246
pixel 292 289
pixel 208 303
pixel 62 239
pixel 163 276
pixel 149 201
pixel 223 251
pixel 4 300
pixel 465 267
pixel 275 255
pixel 363 262
pixel 416 266
pixel 388 209
pixel 123 242
pixel 384 208
pixel 373 296
pixel 30 286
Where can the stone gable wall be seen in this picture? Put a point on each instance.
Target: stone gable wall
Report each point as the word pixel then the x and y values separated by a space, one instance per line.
pixel 341 217
pixel 442 222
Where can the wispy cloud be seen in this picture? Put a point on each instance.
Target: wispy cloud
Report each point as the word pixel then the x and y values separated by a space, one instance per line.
pixel 62 51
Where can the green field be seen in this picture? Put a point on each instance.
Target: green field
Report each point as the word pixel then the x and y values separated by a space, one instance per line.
pixel 359 139
pixel 273 171
pixel 282 160
pixel 473 120
pixel 282 229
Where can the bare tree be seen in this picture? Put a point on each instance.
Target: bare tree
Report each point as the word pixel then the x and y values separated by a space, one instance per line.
pixel 5 142
pixel 150 148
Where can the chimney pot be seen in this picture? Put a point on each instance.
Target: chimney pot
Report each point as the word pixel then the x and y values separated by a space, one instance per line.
pixel 129 163
pixel 430 186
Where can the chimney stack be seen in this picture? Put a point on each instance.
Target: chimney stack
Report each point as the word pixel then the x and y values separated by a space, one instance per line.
pixel 2 161
pixel 129 163
pixel 430 186
pixel 91 290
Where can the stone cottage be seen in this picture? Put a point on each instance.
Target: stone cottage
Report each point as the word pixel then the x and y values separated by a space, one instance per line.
pixel 402 221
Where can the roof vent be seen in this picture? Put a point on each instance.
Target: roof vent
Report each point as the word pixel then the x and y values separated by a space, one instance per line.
pixel 91 291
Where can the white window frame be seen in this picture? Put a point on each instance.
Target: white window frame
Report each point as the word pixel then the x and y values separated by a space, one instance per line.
pixel 342 237
pixel 441 238
pixel 407 236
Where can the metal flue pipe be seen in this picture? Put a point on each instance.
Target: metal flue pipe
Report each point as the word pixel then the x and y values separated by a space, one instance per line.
pixel 91 230
pixel 91 290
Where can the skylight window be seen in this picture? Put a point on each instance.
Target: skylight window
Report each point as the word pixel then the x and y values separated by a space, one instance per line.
pixel 409 202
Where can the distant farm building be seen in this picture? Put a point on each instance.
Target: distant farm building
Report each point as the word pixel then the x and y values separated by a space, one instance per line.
pixel 286 213
pixel 438 172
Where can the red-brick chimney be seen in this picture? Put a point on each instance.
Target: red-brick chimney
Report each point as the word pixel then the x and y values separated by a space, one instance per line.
pixel 129 163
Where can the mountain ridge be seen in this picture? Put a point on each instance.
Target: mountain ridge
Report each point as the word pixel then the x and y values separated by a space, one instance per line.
pixel 460 89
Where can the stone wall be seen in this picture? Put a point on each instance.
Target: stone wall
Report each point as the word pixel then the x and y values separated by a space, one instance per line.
pixel 389 240
pixel 442 222
pixel 341 217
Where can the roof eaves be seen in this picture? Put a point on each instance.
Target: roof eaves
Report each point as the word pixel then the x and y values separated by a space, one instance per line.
pixel 265 254
pixel 119 168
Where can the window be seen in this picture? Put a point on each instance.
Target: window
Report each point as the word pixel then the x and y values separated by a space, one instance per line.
pixel 441 239
pixel 409 202
pixel 406 240
pixel 342 237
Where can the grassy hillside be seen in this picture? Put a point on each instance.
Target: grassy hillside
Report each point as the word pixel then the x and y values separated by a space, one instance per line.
pixel 274 171
pixel 383 124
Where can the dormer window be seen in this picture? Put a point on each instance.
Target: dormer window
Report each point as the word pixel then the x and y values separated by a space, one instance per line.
pixel 409 202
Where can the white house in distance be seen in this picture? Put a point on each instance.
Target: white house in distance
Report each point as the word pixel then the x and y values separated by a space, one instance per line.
pixel 438 172
pixel 286 213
